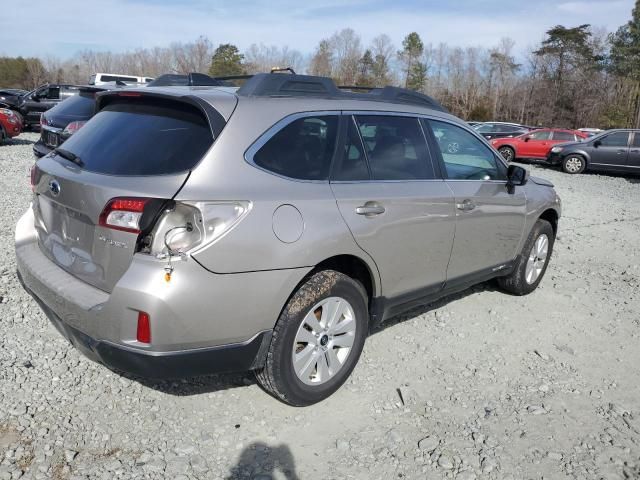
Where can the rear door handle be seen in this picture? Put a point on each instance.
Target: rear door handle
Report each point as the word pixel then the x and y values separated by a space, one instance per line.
pixel 466 206
pixel 370 209
pixel 622 150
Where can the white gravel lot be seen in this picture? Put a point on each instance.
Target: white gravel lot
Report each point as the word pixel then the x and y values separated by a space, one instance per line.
pixel 479 385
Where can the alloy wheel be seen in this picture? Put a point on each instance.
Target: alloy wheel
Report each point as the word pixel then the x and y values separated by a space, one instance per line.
pixel 573 164
pixel 537 259
pixel 507 154
pixel 324 340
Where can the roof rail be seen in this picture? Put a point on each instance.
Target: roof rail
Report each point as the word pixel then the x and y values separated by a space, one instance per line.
pixel 271 85
pixel 192 79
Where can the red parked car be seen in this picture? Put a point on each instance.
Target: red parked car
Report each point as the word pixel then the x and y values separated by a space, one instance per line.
pixel 10 124
pixel 536 144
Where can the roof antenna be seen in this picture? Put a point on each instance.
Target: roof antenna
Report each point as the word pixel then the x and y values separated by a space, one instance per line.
pixel 283 69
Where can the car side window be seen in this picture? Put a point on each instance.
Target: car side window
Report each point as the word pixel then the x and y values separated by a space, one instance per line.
pixel 543 135
pixel 396 148
pixel 352 166
pixel 465 156
pixel 485 128
pixel 564 136
pixel 617 139
pixel 303 149
pixel 53 93
pixel 636 140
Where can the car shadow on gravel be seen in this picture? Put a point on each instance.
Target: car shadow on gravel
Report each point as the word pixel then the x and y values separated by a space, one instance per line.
pixel 259 460
pixel 16 141
pixel 489 286
pixel 195 385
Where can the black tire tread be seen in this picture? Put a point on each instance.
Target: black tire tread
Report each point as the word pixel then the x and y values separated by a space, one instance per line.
pixel 515 282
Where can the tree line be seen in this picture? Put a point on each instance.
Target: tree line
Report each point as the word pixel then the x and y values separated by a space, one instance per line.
pixel 577 76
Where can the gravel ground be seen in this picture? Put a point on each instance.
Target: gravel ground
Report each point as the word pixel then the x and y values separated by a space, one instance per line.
pixel 479 385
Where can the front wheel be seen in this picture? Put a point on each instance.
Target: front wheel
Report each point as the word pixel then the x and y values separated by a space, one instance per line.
pixel 317 340
pixel 574 164
pixel 533 261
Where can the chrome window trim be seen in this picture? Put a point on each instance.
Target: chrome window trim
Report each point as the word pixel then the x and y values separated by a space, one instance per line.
pixel 414 180
pixel 277 127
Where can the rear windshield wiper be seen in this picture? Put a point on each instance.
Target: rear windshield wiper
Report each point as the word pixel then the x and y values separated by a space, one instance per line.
pixel 67 155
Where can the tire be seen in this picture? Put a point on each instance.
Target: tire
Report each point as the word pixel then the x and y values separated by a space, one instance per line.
pixel 508 153
pixel 321 293
pixel 574 164
pixel 523 280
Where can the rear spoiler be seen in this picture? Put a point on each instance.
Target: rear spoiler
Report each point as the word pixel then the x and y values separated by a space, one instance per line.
pixel 214 118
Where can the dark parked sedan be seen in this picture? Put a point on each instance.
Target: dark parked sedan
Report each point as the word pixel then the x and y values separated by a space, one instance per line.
pixel 613 150
pixel 491 130
pixel 63 120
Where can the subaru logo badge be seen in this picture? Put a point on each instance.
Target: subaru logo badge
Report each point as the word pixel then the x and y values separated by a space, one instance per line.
pixel 54 188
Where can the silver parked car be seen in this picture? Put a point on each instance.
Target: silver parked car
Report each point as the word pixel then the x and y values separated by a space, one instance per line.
pixel 186 231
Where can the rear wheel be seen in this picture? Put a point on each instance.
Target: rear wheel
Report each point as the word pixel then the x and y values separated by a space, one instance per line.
pixel 574 164
pixel 533 261
pixel 317 340
pixel 507 153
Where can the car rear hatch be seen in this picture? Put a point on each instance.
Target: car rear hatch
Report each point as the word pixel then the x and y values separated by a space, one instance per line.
pixel 131 158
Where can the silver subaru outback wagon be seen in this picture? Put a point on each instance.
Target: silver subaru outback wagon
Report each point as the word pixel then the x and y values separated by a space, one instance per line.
pixel 186 231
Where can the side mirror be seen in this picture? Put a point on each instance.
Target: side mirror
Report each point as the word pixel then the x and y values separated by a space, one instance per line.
pixel 597 143
pixel 516 176
pixel 527 138
pixel 35 97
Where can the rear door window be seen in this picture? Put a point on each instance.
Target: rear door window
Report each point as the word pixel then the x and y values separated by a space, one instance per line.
pixel 542 135
pixel 302 150
pixel 636 140
pixel 564 136
pixel 465 157
pixel 395 147
pixel 142 137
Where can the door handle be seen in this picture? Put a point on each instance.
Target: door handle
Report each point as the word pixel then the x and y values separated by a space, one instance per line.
pixel 466 206
pixel 622 150
pixel 370 209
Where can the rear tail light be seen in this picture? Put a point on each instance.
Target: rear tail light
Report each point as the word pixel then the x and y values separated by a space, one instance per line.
pixel 190 226
pixel 123 214
pixel 73 127
pixel 143 333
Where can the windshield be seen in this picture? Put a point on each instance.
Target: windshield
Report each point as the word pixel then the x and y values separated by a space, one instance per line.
pixel 82 106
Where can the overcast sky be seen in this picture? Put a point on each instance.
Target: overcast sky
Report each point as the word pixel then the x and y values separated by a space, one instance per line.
pixel 62 28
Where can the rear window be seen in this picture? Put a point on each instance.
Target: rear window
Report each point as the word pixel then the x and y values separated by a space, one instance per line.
pixel 142 137
pixel 82 105
pixel 302 150
pixel 116 78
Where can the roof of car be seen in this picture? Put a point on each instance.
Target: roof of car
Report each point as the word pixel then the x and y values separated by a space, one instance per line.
pixel 290 94
pixel 312 89
pixel 224 100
